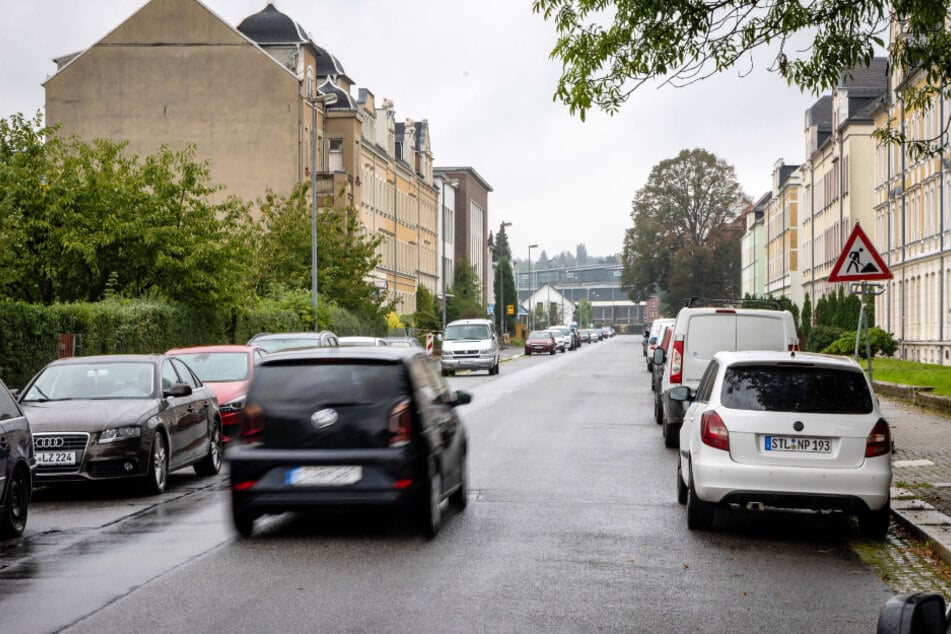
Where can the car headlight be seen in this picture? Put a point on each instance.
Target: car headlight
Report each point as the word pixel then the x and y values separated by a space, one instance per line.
pixel 235 404
pixel 120 433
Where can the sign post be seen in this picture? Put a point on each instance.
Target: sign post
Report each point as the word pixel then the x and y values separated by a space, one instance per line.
pixel 862 265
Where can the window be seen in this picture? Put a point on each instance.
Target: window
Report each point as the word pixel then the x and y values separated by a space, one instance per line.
pixel 336 155
pixel 795 388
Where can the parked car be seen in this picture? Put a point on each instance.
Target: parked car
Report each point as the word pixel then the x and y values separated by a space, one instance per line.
pixel 469 344
pixel 652 341
pixel 403 342
pixel 121 416
pixel 17 465
pixel 539 341
pixel 227 370
pixel 647 334
pixel 276 342
pixel 576 336
pixel 349 342
pixel 657 373
pixel 585 335
pixel 787 430
pixel 562 337
pixel 349 427
pixel 701 332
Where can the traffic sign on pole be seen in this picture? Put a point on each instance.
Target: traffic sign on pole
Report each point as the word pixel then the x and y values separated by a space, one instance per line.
pixel 859 261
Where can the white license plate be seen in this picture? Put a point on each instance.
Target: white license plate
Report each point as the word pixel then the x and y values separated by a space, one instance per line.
pixel 323 476
pixel 797 444
pixel 55 458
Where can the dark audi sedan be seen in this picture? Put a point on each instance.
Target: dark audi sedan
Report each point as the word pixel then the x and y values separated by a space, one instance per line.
pixel 122 416
pixel 349 427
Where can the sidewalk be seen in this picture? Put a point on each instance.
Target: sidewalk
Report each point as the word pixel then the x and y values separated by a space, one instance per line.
pixel 921 466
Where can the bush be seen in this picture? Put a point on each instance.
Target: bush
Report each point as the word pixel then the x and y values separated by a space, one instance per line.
pixel 822 337
pixel 881 343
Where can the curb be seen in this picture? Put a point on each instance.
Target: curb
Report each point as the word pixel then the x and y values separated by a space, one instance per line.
pixel 923 520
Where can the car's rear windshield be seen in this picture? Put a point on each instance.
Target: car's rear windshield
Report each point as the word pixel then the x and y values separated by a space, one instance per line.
pixel 796 388
pixel 218 367
pixel 348 383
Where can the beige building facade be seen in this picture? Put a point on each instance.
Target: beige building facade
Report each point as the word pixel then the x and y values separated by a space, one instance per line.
pixel 270 109
pixel 781 234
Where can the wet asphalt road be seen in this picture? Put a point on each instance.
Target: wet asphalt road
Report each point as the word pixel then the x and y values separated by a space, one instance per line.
pixel 572 526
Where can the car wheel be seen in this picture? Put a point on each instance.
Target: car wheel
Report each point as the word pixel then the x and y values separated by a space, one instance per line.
pixel 496 368
pixel 658 409
pixel 527 353
pixel 243 521
pixel 699 513
pixel 874 524
pixel 681 487
pixel 552 351
pixel 445 372
pixel 16 505
pixel 430 512
pixel 671 435
pixel 460 497
pixel 211 463
pixel 157 475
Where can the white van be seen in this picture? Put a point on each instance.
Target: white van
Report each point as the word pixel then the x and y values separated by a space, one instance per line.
pixel 699 333
pixel 469 344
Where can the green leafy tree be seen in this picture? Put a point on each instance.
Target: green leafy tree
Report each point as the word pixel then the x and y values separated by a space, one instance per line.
pixel 806 322
pixel 585 313
pixel 80 221
pixel 686 230
pixel 466 300
pixel 346 256
pixel 427 315
pixel 503 250
pixel 504 288
pixel 610 48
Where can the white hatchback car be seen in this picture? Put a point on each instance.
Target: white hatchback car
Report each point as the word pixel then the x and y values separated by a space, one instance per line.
pixel 784 430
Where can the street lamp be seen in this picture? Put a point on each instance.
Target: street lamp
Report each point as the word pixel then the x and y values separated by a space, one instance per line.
pixel 327 100
pixel 548 304
pixel 452 182
pixel 502 287
pixel 531 290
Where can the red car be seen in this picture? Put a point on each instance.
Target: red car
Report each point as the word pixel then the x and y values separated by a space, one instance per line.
pixel 540 341
pixel 227 370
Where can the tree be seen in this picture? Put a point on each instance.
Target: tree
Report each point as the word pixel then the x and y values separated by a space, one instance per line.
pixel 346 256
pixel 610 48
pixel 466 292
pixel 82 220
pixel 687 226
pixel 504 290
pixel 806 325
pixel 427 316
pixel 581 254
pixel 503 250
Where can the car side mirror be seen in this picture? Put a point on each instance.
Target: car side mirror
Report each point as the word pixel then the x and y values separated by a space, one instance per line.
pixel 681 393
pixel 461 397
pixel 917 613
pixel 659 356
pixel 179 389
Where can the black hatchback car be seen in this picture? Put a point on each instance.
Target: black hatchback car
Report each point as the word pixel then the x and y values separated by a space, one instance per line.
pixel 349 427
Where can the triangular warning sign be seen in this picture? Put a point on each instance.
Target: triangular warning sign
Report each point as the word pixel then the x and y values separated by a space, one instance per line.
pixel 859 261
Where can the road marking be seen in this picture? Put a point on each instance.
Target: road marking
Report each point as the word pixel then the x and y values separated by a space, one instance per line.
pixel 912 463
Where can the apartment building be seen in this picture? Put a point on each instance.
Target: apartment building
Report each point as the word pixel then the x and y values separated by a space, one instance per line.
pixel 269 108
pixel 781 233
pixel 752 265
pixel 912 223
pixel 837 173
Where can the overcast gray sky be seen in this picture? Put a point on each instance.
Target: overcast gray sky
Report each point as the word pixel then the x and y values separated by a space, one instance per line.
pixel 479 71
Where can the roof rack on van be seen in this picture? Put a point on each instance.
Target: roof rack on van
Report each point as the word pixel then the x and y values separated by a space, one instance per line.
pixel 757 302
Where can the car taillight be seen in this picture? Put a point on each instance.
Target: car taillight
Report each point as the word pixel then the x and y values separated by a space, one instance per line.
pixel 713 432
pixel 401 419
pixel 879 441
pixel 676 362
pixel 793 345
pixel 252 424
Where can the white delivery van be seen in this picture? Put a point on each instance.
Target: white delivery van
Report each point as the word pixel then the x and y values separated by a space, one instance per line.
pixel 699 333
pixel 469 344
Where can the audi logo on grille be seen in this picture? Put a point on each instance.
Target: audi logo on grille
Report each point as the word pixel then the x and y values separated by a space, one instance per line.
pixel 49 442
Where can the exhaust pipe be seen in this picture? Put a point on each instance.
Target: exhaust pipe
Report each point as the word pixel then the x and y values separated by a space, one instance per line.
pixel 755 506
